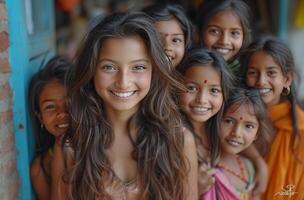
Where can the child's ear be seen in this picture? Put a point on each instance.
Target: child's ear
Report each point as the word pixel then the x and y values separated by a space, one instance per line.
pixel 288 79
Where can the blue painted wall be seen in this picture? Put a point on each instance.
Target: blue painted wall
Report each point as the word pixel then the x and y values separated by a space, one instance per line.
pixel 27 51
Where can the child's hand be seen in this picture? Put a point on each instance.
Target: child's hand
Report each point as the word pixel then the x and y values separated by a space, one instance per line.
pixel 261 176
pixel 206 178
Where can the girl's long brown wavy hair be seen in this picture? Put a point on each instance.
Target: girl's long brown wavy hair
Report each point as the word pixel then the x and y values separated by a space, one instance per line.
pixel 158 148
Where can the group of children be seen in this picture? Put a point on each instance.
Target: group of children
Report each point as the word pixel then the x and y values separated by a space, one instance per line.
pixel 144 112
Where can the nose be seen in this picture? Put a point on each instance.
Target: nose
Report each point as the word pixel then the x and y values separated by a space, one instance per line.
pixel 224 39
pixel 201 96
pixel 261 80
pixel 123 80
pixel 237 130
pixel 167 44
pixel 62 111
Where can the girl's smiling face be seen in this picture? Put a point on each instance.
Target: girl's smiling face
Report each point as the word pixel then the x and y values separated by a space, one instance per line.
pixel 53 113
pixel 123 74
pixel 173 39
pixel 204 97
pixel 266 75
pixel 224 34
pixel 239 128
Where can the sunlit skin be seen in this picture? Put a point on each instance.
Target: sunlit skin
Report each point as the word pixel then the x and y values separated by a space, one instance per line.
pixel 53 114
pixel 265 74
pixel 239 128
pixel 204 97
pixel 123 75
pixel 173 39
pixel 224 34
pixel 54 118
pixel 202 101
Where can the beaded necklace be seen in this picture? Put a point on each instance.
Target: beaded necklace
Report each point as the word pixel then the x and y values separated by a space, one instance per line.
pixel 241 175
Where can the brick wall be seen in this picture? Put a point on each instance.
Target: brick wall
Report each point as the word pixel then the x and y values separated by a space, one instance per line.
pixel 8 172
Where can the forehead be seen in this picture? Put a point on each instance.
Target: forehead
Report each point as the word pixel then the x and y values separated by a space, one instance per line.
pixel 130 47
pixel 171 26
pixel 200 73
pixel 262 60
pixel 52 90
pixel 226 19
pixel 245 111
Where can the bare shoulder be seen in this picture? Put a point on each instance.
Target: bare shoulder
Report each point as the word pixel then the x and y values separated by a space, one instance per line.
pixel 39 180
pixel 188 137
pixel 35 168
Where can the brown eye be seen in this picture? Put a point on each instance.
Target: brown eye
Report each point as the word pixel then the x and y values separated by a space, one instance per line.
pixel 192 88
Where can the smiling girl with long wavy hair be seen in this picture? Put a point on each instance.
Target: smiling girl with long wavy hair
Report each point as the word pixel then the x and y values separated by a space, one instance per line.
pixel 125 128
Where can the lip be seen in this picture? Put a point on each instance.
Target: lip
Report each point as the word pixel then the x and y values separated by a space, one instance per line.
pixel 233 142
pixel 122 94
pixel 264 91
pixel 222 50
pixel 201 110
pixel 62 125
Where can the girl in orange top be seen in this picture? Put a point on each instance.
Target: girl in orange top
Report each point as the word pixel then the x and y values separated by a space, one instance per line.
pixel 270 68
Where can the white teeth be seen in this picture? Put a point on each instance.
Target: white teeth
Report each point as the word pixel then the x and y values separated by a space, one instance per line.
pixel 123 94
pixel 200 109
pixel 63 125
pixel 233 142
pixel 222 51
pixel 264 90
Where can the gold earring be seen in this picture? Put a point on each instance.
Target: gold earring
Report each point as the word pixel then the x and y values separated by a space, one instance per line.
pixel 286 91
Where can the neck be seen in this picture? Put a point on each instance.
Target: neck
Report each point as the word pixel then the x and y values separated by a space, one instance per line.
pixel 200 130
pixel 119 121
pixel 226 157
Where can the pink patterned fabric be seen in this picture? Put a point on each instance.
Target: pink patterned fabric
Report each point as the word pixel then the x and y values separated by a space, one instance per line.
pixel 225 190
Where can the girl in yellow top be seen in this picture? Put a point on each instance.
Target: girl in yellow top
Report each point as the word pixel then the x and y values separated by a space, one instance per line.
pixel 270 68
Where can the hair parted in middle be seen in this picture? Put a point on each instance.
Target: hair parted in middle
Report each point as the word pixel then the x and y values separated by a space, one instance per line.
pixel 158 148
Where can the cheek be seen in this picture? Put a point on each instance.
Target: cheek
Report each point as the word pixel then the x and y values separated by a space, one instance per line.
pixel 181 51
pixel 250 81
pixel 224 131
pixel 218 102
pixel 102 80
pixel 143 80
pixel 47 120
pixel 208 40
pixel 186 98
pixel 238 44
pixel 250 137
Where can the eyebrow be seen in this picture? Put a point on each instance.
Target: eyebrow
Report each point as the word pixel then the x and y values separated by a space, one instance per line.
pixel 272 67
pixel 133 61
pixel 47 100
pixel 269 67
pixel 215 85
pixel 251 122
pixel 196 83
pixel 171 33
pixel 240 29
pixel 190 81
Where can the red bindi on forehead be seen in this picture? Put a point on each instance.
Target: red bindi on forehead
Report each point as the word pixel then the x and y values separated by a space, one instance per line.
pixel 241 118
pixel 205 81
